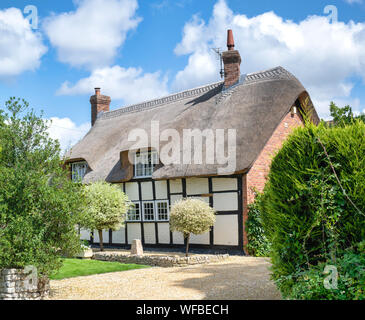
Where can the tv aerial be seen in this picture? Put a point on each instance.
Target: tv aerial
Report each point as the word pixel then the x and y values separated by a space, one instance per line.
pixel 219 53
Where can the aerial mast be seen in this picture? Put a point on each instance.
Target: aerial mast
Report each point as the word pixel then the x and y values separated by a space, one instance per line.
pixel 219 53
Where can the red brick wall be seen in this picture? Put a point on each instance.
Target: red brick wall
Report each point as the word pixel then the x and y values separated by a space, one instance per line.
pixel 232 61
pixel 256 177
pixel 231 74
pixel 99 103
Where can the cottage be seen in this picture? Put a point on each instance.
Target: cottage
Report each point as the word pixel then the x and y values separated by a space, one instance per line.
pixel 214 142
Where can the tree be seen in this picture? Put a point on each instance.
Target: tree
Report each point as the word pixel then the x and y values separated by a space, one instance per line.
pixel 106 208
pixel 38 202
pixel 343 116
pixel 191 216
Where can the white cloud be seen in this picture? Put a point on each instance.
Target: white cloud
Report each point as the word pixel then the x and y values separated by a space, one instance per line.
pixel 130 85
pixel 66 131
pixel 21 49
pixel 322 55
pixel 90 35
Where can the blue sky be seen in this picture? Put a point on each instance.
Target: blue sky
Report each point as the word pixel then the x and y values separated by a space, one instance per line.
pixel 137 50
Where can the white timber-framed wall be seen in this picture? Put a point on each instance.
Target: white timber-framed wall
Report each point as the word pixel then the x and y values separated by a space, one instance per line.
pixel 223 193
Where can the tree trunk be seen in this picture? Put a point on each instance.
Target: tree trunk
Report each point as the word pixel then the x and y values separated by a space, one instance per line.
pixel 187 244
pixel 101 240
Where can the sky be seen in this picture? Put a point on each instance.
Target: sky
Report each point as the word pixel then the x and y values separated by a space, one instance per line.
pixel 53 53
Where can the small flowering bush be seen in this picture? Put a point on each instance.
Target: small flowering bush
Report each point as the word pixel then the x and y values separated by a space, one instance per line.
pixel 106 208
pixel 191 216
pixel 85 245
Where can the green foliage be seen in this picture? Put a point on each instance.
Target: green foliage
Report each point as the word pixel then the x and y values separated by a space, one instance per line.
pixel 83 267
pixel 309 284
pixel 106 207
pixel 258 244
pixel 191 216
pixel 314 202
pixel 38 203
pixel 344 116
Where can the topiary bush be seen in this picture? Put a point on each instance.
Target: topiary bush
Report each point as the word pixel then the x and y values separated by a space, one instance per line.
pixel 191 216
pixel 258 243
pixel 106 208
pixel 314 202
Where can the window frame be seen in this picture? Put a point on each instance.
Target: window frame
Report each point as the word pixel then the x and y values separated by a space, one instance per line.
pixel 156 218
pixel 142 166
pixel 74 172
pixel 167 207
pixel 153 208
pixel 139 212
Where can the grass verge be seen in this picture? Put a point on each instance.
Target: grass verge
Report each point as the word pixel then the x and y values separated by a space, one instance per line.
pixel 81 267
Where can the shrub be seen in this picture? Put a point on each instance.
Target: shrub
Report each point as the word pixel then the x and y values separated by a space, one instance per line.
pixel 258 244
pixel 38 202
pixel 106 208
pixel 314 202
pixel 191 216
pixel 309 284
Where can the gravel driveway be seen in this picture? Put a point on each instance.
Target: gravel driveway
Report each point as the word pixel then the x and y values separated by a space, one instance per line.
pixel 238 278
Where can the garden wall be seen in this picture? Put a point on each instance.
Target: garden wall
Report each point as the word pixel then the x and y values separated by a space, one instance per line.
pixel 158 260
pixel 13 286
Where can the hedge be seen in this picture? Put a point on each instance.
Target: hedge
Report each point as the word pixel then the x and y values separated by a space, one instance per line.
pixel 314 202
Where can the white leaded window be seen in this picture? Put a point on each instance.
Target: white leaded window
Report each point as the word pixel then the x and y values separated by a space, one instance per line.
pixel 158 210
pixel 145 163
pixel 148 210
pixel 162 210
pixel 134 212
pixel 78 170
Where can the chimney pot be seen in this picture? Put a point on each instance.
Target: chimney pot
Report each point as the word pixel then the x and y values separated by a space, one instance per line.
pixel 230 40
pixel 97 91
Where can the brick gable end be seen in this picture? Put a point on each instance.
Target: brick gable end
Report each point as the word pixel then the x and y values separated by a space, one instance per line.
pixel 256 177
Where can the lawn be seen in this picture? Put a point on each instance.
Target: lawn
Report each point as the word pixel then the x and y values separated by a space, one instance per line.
pixel 79 267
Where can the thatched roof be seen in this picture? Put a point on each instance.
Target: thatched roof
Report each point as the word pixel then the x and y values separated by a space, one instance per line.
pixel 254 107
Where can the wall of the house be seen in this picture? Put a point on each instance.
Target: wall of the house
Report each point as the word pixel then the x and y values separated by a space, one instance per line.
pixel 256 178
pixel 230 197
pixel 222 193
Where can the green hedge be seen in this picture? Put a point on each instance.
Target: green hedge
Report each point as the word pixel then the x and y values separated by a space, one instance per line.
pixel 258 244
pixel 314 202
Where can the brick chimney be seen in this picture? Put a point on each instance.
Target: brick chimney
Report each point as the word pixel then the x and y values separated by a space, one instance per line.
pixel 232 62
pixel 99 103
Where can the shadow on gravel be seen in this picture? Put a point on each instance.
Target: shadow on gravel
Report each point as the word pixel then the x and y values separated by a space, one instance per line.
pixel 233 281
